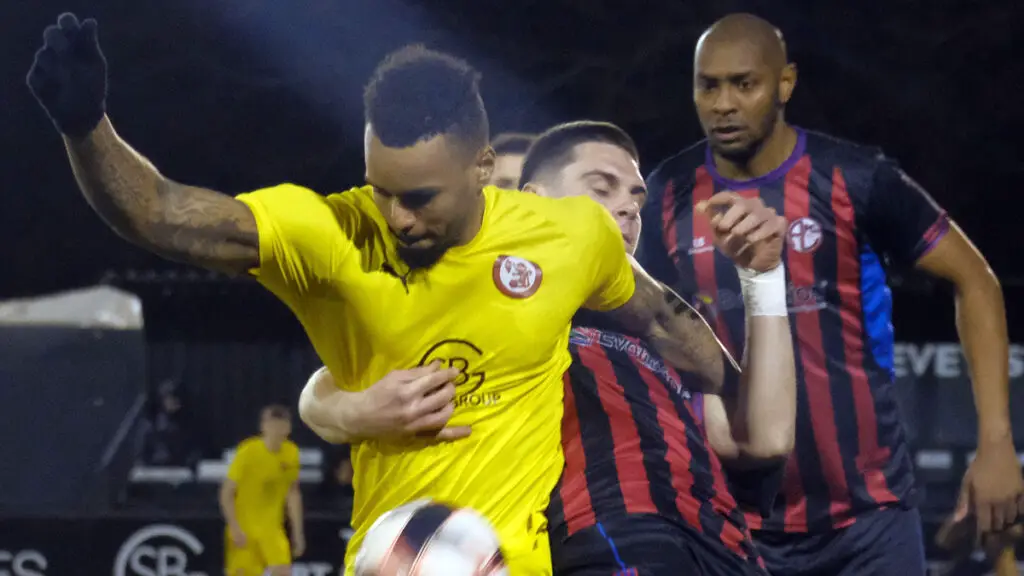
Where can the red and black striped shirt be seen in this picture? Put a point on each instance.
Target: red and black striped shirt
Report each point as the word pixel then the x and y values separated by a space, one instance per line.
pixel 850 209
pixel 634 442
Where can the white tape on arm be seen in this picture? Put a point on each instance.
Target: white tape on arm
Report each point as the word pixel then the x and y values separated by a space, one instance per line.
pixel 764 293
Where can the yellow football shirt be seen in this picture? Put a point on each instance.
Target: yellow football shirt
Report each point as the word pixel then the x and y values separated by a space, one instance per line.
pixel 498 308
pixel 262 478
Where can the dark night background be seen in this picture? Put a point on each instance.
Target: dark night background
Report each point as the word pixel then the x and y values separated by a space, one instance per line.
pixel 238 94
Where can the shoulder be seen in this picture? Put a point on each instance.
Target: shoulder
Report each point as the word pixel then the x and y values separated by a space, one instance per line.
pixel 289 211
pixel 359 197
pixel 855 160
pixel 514 202
pixel 286 199
pixel 354 207
pixel 280 195
pixel 291 450
pixel 566 216
pixel 587 221
pixel 247 446
pixel 678 170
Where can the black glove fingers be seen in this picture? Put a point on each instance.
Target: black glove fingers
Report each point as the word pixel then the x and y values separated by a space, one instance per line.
pixel 41 85
pixel 89 28
pixel 68 22
pixel 46 60
pixel 68 76
pixel 53 37
pixel 41 75
pixel 86 42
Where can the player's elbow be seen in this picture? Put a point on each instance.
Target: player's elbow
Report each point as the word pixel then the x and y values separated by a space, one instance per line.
pixel 774 445
pixel 767 445
pixel 330 435
pixel 307 413
pixel 306 405
pixel 775 437
pixel 309 403
pixel 984 281
pixel 227 492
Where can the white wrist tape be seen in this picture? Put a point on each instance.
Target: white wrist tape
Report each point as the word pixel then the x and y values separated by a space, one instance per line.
pixel 764 293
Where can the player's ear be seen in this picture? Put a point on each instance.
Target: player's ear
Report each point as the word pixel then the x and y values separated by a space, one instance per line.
pixel 787 83
pixel 485 165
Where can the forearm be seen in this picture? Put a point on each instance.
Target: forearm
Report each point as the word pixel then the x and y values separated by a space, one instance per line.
pixel 981 324
pixel 227 507
pixel 295 510
pixel 755 422
pixel 684 339
pixel 183 223
pixel 763 415
pixel 675 330
pixel 119 183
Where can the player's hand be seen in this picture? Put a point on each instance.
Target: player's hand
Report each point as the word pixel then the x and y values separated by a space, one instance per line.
pixel 748 232
pixel 298 545
pixel 418 402
pixel 69 75
pixel 993 488
pixel 959 536
pixel 238 537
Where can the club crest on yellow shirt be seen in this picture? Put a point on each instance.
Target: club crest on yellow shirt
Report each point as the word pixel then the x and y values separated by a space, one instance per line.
pixel 516 277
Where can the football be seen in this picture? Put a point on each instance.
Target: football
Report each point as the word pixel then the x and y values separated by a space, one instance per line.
pixel 428 538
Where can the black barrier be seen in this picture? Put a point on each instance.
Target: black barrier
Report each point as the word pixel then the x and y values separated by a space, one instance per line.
pixel 934 387
pixel 192 546
pixel 64 392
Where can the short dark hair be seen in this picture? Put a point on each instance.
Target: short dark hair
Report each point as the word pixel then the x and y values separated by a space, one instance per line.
pixel 512 143
pixel 416 94
pixel 277 412
pixel 553 150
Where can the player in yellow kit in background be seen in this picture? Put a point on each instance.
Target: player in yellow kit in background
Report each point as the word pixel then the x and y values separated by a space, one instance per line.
pixel 263 482
pixel 423 266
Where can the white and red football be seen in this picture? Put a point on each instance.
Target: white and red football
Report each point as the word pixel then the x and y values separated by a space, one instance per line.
pixel 428 538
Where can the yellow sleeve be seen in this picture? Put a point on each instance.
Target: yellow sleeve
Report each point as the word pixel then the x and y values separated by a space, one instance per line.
pixel 302 240
pixel 237 466
pixel 611 273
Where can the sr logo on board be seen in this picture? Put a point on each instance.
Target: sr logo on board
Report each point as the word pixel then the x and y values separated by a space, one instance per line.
pixel 158 550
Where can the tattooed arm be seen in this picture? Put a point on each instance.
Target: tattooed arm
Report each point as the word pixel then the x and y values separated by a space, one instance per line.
pixel 676 331
pixel 184 223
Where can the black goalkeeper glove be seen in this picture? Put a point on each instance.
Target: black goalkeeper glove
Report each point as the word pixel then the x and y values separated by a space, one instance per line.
pixel 69 76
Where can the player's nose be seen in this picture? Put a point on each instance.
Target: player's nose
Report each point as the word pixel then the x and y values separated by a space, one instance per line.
pixel 628 219
pixel 402 219
pixel 724 102
pixel 627 211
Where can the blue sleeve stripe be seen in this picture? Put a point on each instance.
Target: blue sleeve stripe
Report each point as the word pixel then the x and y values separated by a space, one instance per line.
pixel 876 305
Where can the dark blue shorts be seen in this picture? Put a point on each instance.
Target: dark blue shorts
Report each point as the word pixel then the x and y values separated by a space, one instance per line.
pixel 644 545
pixel 885 542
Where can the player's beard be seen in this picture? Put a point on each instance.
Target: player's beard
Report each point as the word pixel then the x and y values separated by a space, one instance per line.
pixel 764 131
pixel 421 258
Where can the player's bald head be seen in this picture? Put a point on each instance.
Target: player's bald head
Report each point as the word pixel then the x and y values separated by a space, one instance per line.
pixel 753 33
pixel 742 81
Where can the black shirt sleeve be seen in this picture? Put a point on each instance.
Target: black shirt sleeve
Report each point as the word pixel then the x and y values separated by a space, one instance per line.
pixel 651 251
pixel 901 219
